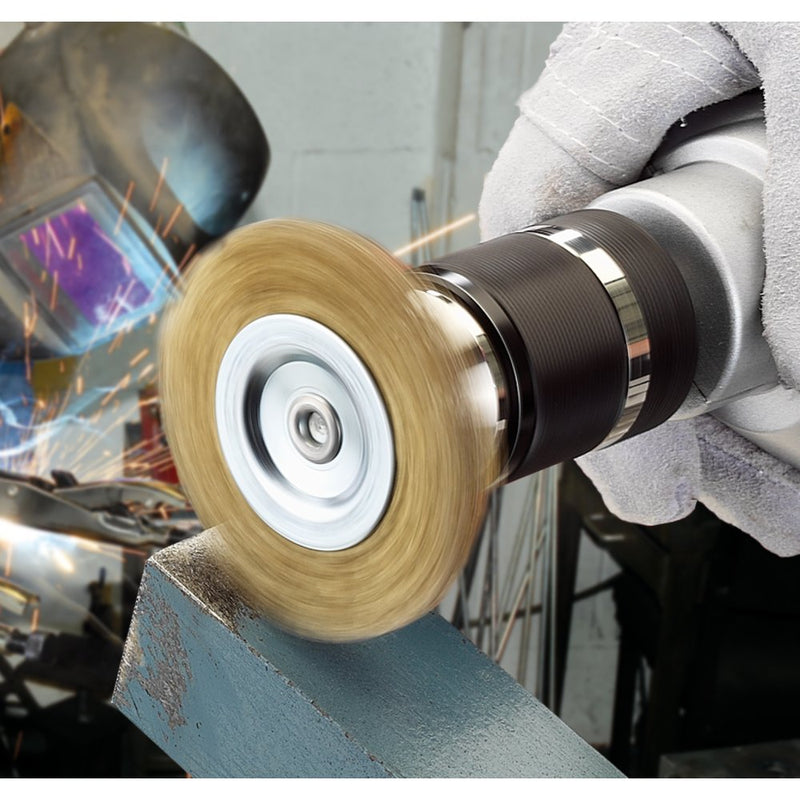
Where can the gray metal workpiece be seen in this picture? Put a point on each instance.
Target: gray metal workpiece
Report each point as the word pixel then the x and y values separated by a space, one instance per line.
pixel 224 693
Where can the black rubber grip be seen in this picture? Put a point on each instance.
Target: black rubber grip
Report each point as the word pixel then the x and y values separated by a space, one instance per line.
pixel 573 347
pixel 570 349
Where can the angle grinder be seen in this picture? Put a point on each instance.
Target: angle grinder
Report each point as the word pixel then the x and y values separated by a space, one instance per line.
pixel 341 418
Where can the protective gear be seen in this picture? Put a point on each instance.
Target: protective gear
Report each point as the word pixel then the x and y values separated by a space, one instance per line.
pixel 607 96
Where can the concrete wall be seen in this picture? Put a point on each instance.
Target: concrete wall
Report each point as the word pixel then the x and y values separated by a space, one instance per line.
pixel 499 62
pixel 348 111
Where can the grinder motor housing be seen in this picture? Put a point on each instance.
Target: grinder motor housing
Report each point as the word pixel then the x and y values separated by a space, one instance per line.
pixel 643 307
pixel 345 442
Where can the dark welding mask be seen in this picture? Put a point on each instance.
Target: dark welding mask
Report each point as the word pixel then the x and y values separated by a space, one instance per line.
pixel 124 148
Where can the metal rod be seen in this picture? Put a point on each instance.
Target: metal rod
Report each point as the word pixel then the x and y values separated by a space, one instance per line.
pixel 553 496
pixel 545 595
pixel 512 619
pixel 522 668
pixel 523 532
pixel 483 607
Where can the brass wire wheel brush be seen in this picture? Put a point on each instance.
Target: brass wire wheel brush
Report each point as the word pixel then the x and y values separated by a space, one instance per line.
pixel 323 416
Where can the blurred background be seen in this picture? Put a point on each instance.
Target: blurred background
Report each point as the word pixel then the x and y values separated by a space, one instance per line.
pixel 387 129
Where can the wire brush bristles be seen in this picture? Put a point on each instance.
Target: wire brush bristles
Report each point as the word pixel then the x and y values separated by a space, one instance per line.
pixel 445 456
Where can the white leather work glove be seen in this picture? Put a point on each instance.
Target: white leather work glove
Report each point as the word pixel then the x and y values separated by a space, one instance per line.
pixel 607 96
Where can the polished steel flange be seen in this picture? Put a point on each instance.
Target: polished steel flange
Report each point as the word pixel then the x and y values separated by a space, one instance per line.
pixel 304 431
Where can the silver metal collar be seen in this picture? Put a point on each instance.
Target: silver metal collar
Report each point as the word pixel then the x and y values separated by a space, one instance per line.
pixel 634 327
pixel 305 432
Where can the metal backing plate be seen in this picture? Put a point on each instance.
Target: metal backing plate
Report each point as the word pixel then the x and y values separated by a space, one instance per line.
pixel 282 378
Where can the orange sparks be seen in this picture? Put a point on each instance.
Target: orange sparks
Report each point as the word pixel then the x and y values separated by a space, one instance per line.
pixel 140 356
pixel 119 303
pixel 52 234
pixel 124 209
pixel 80 263
pixel 116 342
pixel 146 371
pixel 28 368
pixel 71 249
pixel 30 316
pixel 172 220
pixel 79 385
pixel 160 183
pixel 61 367
pixel 123 384
pixel 34 619
pixel 35 235
pixel 433 235
pixel 189 252
pixel 54 291
pixel 108 241
pixel 143 444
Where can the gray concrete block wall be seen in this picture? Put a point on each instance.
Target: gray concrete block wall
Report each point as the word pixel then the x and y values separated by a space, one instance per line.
pixel 348 109
pixel 500 61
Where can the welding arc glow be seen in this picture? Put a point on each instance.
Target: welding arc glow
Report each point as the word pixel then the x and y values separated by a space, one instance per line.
pixel 38 434
pixel 433 235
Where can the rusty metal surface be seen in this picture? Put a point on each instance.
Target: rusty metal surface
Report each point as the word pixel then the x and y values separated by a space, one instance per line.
pixel 225 693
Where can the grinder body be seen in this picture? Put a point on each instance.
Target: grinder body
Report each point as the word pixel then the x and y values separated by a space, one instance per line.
pixel 344 419
pixel 641 308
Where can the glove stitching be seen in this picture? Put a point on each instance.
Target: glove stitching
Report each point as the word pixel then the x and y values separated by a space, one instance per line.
pixel 543 120
pixel 663 60
pixel 597 111
pixel 584 39
pixel 738 76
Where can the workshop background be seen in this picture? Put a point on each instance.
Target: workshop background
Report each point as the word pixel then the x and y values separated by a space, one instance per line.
pixel 392 146
pixel 354 137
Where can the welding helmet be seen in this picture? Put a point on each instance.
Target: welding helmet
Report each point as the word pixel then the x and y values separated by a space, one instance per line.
pixel 124 148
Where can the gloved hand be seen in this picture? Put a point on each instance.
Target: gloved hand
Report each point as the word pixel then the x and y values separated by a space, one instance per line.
pixel 607 96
